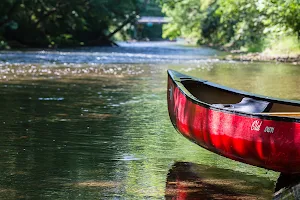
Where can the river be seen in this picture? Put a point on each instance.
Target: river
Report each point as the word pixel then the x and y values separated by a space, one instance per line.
pixel 92 123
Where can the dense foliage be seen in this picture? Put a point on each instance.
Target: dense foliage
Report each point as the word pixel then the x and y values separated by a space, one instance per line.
pixel 248 24
pixel 64 23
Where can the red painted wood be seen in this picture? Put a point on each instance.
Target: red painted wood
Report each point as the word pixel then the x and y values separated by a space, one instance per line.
pixel 243 138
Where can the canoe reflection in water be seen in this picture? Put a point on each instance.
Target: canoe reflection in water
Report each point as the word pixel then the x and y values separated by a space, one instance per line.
pixel 187 180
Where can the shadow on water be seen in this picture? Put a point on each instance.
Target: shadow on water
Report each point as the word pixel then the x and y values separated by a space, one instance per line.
pixel 187 180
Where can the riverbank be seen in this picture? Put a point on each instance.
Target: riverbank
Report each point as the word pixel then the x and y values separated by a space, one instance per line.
pixel 286 58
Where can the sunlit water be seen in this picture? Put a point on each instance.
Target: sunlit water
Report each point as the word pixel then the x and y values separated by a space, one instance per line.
pixel 92 123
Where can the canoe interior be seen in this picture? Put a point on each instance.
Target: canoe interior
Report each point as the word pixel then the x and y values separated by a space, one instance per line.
pixel 213 95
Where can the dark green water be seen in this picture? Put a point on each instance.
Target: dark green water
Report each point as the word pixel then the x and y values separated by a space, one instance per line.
pixel 96 126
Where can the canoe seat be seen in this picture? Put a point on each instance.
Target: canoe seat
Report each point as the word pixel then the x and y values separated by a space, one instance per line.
pixel 248 105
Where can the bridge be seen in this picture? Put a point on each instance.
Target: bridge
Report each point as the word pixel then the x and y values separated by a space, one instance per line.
pixel 149 27
pixel 153 20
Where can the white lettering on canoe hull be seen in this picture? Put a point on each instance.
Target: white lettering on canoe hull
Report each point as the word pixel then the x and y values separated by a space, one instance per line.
pixel 256 125
pixel 269 129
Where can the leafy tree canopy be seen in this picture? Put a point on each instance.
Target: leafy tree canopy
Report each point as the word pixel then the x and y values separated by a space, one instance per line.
pixel 232 23
pixel 59 22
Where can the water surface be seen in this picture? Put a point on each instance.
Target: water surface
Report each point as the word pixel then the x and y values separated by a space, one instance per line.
pixel 92 123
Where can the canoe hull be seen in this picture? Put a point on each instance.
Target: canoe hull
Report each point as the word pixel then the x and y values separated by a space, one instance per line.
pixel 255 140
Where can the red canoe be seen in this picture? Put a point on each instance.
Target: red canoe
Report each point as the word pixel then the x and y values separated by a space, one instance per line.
pixel 253 129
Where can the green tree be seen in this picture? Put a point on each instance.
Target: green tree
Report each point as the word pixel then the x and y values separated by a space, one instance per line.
pixel 185 18
pixel 60 23
pixel 237 24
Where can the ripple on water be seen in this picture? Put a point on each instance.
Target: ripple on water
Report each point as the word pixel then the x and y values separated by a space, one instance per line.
pixel 40 72
pixel 51 98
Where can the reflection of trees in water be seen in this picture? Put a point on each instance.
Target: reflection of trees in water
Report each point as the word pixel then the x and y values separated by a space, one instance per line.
pixel 57 132
pixel 194 181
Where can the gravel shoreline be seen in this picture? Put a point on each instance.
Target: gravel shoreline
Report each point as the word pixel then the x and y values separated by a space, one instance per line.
pixel 294 59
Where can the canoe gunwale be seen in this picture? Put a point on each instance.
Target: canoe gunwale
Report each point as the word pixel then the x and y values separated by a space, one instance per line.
pixel 178 78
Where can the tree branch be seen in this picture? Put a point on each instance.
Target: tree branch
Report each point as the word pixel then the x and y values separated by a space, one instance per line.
pixel 129 19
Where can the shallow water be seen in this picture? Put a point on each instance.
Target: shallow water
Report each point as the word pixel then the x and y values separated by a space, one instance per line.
pixel 92 123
